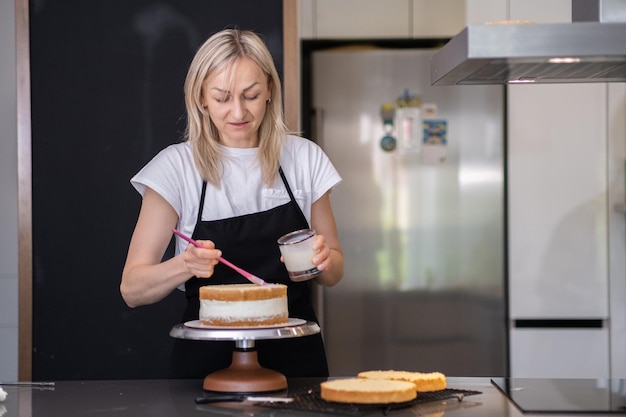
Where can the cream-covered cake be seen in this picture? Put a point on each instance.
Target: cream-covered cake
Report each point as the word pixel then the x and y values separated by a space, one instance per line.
pixel 243 305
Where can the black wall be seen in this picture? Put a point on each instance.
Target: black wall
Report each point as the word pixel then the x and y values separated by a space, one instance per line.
pixel 107 95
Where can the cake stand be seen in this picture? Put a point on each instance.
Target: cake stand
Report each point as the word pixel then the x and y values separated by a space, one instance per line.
pixel 244 374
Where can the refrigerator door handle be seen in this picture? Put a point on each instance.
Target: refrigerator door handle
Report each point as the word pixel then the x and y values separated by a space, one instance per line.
pixel 547 323
pixel 620 207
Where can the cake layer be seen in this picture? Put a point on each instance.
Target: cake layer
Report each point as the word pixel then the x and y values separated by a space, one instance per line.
pixel 424 382
pixel 242 292
pixel 367 391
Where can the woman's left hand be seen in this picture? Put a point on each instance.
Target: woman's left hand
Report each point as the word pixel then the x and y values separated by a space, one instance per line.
pixel 321 259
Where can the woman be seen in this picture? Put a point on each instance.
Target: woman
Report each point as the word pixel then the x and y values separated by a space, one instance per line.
pixel 236 185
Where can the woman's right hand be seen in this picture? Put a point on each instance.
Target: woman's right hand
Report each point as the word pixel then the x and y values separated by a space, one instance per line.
pixel 147 278
pixel 200 262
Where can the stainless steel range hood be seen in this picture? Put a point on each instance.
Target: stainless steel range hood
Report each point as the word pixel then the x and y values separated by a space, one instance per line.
pixel 590 49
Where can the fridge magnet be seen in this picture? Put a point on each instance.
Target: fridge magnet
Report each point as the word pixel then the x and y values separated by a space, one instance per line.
pixel 387 112
pixel 435 141
pixel 429 110
pixel 408 121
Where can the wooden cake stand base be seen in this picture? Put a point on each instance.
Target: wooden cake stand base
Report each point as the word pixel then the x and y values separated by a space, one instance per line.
pixel 245 375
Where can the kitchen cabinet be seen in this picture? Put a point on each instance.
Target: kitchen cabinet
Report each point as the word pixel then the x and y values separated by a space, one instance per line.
pixel 437 19
pixel 558 228
pixel 376 19
pixel 553 11
pixel 557 201
pixel 481 11
pixel 361 19
pixel 541 11
pixel 562 353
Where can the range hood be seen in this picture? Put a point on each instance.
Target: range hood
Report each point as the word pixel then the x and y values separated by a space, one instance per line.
pixel 590 49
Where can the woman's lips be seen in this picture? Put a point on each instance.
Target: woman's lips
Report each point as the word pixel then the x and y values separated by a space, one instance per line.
pixel 238 124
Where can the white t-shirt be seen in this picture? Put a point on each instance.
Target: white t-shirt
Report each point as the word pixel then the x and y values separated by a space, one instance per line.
pixel 172 173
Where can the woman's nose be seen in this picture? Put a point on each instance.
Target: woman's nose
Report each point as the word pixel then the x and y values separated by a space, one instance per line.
pixel 239 108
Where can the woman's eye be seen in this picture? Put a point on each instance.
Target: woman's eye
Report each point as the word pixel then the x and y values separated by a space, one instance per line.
pixel 226 98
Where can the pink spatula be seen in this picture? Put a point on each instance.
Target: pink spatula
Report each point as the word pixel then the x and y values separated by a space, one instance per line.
pixel 252 278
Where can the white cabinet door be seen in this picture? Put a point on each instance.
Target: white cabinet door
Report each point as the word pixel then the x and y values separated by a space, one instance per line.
pixel 541 11
pixel 482 11
pixel 557 179
pixel 371 19
pixel 559 353
pixel 376 19
pixel 438 19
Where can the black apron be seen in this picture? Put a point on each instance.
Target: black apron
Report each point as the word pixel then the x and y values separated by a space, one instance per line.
pixel 249 242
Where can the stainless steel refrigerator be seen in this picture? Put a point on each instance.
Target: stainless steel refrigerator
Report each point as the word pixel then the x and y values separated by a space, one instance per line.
pixel 420 215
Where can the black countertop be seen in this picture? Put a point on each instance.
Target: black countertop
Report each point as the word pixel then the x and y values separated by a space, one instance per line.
pixel 139 398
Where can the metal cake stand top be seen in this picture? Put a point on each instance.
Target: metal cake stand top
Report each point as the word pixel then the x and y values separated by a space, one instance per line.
pixel 294 328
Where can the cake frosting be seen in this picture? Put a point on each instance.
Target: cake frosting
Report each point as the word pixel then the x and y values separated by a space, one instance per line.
pixel 243 305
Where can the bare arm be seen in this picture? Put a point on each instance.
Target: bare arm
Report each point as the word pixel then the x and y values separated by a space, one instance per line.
pixel 329 259
pixel 145 279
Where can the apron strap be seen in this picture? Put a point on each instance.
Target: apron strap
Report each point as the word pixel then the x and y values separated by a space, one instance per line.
pixel 201 206
pixel 293 199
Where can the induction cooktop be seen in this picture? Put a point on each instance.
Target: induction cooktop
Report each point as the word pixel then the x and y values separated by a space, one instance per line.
pixel 545 396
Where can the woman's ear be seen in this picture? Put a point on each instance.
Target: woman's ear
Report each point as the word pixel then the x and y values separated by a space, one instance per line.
pixel 269 91
pixel 204 102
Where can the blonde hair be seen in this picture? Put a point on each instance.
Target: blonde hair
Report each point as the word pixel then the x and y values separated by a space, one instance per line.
pixel 219 52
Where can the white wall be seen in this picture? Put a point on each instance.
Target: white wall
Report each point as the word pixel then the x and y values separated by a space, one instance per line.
pixel 8 194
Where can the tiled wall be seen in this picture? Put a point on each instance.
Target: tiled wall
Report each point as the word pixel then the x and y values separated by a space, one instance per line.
pixel 8 195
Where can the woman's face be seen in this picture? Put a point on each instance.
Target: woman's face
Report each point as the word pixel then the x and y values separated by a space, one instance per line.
pixel 236 99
